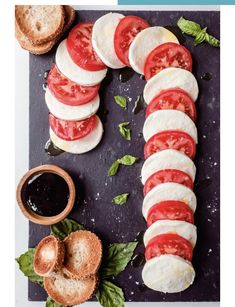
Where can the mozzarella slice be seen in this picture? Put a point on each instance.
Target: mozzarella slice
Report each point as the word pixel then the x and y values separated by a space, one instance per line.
pixel 167 159
pixel 181 228
pixel 82 145
pixel 171 77
pixel 168 274
pixel 72 71
pixel 168 191
pixel 103 39
pixel 67 112
pixel 144 42
pixel 163 120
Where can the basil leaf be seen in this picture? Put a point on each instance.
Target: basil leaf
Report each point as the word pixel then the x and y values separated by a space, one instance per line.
pixel 51 303
pixel 25 262
pixel 212 40
pixel 113 168
pixel 64 228
pixel 128 160
pixel 110 295
pixel 125 132
pixel 121 199
pixel 189 27
pixel 201 36
pixel 119 255
pixel 121 101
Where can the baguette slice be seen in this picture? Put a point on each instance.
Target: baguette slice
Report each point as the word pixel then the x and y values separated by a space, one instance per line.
pixel 68 291
pixel 49 256
pixel 40 23
pixel 83 254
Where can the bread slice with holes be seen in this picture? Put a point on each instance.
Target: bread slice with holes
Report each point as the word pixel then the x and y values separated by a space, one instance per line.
pixel 83 254
pixel 40 23
pixel 69 292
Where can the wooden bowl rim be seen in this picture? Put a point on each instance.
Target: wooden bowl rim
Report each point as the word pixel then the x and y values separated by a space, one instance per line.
pixel 36 218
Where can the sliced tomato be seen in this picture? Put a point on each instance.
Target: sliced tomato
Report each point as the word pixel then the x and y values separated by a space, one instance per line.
pixel 170 210
pixel 69 92
pixel 125 33
pixel 167 175
pixel 169 243
pixel 80 48
pixel 167 55
pixel 72 130
pixel 170 139
pixel 173 99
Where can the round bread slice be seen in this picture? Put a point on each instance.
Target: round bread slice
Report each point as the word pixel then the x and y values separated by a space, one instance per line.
pixel 68 291
pixel 49 256
pixel 83 254
pixel 40 23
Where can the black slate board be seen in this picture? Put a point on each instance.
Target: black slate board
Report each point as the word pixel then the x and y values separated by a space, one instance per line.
pixel 95 210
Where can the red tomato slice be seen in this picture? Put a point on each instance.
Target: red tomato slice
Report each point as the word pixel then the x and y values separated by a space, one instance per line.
pixel 69 92
pixel 80 48
pixel 167 55
pixel 169 243
pixel 125 33
pixel 176 99
pixel 170 139
pixel 72 130
pixel 170 210
pixel 167 175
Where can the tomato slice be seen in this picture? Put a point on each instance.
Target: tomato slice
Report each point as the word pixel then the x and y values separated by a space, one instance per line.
pixel 79 45
pixel 169 243
pixel 125 33
pixel 72 130
pixel 173 99
pixel 170 210
pixel 170 139
pixel 167 55
pixel 168 175
pixel 69 92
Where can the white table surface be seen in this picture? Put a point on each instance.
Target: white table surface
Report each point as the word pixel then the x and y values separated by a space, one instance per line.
pixel 21 162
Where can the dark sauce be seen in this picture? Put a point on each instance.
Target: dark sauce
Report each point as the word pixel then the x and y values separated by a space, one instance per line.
pixel 203 184
pixel 46 73
pixel 139 104
pixel 206 76
pixel 139 237
pixel 125 74
pixel 142 287
pixel 46 194
pixel 44 86
pixel 177 32
pixel 142 77
pixel 51 149
pixel 138 260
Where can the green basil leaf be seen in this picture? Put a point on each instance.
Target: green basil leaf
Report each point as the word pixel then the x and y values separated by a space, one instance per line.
pixel 128 160
pixel 125 132
pixel 212 40
pixel 113 168
pixel 64 228
pixel 119 255
pixel 201 36
pixel 189 27
pixel 51 303
pixel 121 199
pixel 110 295
pixel 121 101
pixel 25 262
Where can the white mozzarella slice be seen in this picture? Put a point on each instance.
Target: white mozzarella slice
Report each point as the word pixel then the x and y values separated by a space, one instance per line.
pixel 168 78
pixel 167 159
pixel 82 145
pixel 66 112
pixel 168 191
pixel 144 42
pixel 168 274
pixel 184 229
pixel 103 39
pixel 163 120
pixel 72 71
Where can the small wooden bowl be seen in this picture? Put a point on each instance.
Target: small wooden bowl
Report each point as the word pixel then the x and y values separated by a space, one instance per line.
pixel 32 216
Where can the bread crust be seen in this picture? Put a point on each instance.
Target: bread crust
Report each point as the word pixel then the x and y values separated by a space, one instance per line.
pixel 30 20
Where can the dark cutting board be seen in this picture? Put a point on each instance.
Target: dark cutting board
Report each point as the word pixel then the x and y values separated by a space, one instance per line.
pixel 114 223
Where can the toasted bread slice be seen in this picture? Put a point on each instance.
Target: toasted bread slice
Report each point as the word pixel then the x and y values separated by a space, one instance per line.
pixel 69 17
pixel 49 256
pixel 70 292
pixel 40 23
pixel 83 254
